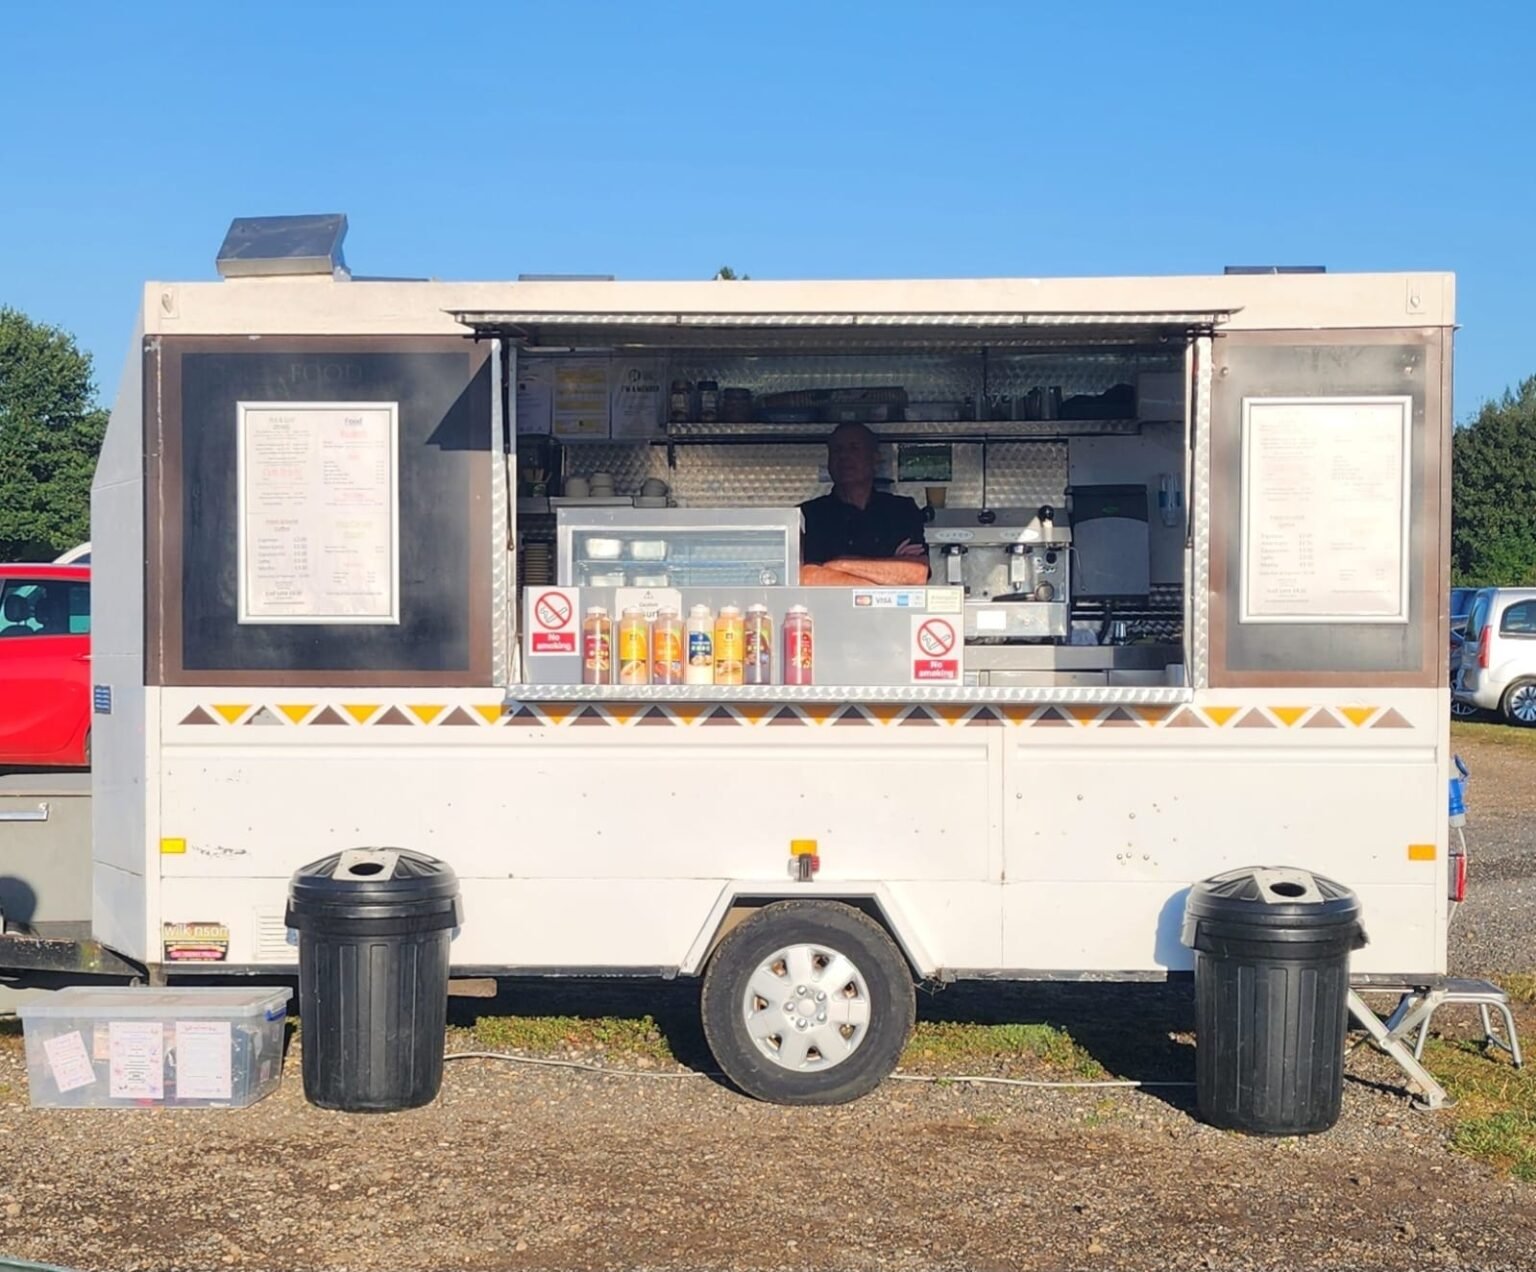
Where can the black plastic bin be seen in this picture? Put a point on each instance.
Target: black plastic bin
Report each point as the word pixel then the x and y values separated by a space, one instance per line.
pixel 1272 950
pixel 374 928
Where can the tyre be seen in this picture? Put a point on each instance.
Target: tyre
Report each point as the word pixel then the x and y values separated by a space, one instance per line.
pixel 1519 706
pixel 808 1002
pixel 1462 710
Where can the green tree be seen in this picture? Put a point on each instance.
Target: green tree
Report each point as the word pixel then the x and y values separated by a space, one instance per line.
pixel 725 274
pixel 1493 494
pixel 50 434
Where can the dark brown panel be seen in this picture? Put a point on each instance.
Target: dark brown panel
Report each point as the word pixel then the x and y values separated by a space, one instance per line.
pixel 1421 658
pixel 448 644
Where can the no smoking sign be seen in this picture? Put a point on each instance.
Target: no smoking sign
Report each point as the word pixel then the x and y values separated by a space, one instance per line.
pixel 935 651
pixel 553 623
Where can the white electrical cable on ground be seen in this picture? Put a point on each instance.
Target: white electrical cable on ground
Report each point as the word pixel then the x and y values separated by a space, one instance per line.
pixel 585 1067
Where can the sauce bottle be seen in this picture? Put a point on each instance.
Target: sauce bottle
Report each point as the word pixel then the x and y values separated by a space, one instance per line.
pixel 757 665
pixel 667 648
pixel 700 646
pixel 634 648
pixel 730 645
pixel 799 649
pixel 596 647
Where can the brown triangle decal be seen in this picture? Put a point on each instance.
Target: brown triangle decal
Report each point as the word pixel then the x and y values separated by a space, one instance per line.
pixel 394 716
pixel 198 716
pixel 587 715
pixel 1052 718
pixel 1187 719
pixel 263 716
pixel 654 715
pixel 1391 719
pixel 328 715
pixel 851 715
pixel 1323 718
pixel 721 715
pixel 985 715
pixel 526 715
pixel 919 715
pixel 458 716
pixel 787 715
pixel 1255 719
pixel 1119 718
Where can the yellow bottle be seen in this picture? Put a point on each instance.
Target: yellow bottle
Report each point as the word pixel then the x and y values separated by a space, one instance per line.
pixel 730 645
pixel 634 648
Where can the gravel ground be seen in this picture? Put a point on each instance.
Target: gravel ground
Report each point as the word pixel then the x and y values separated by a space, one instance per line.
pixel 517 1167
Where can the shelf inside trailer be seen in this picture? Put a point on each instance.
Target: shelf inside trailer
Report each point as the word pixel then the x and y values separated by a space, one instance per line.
pixel 1090 695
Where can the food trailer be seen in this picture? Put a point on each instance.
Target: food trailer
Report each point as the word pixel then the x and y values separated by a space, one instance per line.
pixel 1183 608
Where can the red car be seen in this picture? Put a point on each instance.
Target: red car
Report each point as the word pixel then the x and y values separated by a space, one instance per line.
pixel 45 665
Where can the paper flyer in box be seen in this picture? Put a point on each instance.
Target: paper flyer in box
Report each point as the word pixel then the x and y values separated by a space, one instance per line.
pixel 137 1064
pixel 68 1062
pixel 203 1060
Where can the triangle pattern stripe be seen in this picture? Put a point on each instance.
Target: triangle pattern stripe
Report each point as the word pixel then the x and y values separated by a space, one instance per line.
pixel 985 715
pixel 1391 719
pixel 787 715
pixel 1288 715
pixel 1051 718
pixel 1120 718
pixel 198 716
pixel 1255 719
pixel 458 716
pixel 754 712
pixel 1323 719
pixel 490 712
pixel 327 715
pixel 394 716
pixel 1357 716
pixel 1187 719
pixel 427 712
pixel 1083 715
pixel 263 716
pixel 1219 716
pixel 721 715
pixel 653 716
pixel 231 711
pixel 852 715
pixel 919 715
pixel 296 711
pixel 362 712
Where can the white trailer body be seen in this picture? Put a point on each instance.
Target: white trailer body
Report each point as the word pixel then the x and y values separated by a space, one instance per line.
pixel 1044 830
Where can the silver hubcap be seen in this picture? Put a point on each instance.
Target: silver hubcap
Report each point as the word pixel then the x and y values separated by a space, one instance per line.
pixel 1522 704
pixel 806 1007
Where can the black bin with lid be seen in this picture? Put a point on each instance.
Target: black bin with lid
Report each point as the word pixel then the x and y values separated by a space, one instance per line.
pixel 374 928
pixel 1272 950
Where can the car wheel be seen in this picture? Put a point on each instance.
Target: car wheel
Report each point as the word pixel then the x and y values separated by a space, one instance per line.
pixel 1520 704
pixel 808 1002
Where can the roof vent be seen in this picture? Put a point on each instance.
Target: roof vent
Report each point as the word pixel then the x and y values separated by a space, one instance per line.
pixel 269 246
pixel 1275 269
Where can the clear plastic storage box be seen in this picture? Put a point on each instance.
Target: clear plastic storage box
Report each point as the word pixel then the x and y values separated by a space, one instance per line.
pixel 150 1048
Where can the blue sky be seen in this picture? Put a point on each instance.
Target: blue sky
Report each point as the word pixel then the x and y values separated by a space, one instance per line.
pixel 788 140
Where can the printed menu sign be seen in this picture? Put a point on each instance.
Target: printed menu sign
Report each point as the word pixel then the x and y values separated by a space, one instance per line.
pixel 1325 510
pixel 581 397
pixel 319 512
pixel 203 1069
pixel 635 388
pixel 136 1066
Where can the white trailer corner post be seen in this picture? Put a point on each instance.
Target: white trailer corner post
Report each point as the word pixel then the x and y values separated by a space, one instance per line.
pixel 1049 828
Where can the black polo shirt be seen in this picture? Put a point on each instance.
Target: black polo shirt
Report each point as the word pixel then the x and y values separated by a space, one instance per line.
pixel 836 529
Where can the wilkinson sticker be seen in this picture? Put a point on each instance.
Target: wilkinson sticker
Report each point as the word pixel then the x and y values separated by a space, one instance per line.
pixel 195 942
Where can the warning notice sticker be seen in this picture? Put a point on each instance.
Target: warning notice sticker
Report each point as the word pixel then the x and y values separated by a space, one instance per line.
pixel 552 622
pixel 935 651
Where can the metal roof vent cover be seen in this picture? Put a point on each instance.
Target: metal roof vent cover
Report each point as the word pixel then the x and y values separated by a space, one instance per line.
pixel 268 246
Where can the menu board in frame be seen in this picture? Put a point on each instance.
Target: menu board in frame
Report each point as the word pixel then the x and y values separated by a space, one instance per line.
pixel 1325 500
pixel 319 512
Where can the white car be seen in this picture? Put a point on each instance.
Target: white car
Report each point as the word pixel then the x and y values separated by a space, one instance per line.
pixel 1498 657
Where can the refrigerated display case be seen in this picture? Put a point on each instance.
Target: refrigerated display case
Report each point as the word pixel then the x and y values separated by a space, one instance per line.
pixel 678 547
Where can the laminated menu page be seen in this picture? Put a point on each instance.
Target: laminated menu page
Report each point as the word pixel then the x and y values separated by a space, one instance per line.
pixel 136 1066
pixel 68 1062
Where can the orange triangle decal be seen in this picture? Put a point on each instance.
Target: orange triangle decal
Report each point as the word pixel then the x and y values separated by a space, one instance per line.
pixel 490 712
pixel 1083 715
pixel 361 712
pixel 754 712
pixel 1358 715
pixel 1220 715
pixel 1288 715
pixel 1152 715
pixel 426 712
pixel 296 711
pixel 232 711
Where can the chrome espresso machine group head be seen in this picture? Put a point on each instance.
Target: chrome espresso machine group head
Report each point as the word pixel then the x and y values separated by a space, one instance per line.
pixel 1015 567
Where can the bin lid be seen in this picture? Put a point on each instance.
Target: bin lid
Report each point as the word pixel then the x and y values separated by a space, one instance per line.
pixel 374 877
pixel 180 1002
pixel 1273 896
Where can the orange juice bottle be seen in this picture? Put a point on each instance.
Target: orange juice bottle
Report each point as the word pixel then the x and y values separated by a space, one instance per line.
pixel 667 648
pixel 730 645
pixel 634 648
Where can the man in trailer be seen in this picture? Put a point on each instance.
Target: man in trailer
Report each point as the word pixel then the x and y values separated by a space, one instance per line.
pixel 856 521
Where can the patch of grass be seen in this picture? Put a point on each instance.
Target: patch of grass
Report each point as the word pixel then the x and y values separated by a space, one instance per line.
pixel 1488 731
pixel 616 1036
pixel 1520 986
pixel 953 1045
pixel 1495 1111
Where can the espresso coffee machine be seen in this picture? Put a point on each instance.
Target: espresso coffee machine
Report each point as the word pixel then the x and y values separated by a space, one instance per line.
pixel 1015 566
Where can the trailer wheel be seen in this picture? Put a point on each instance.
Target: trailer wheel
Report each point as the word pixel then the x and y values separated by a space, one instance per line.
pixel 808 1002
